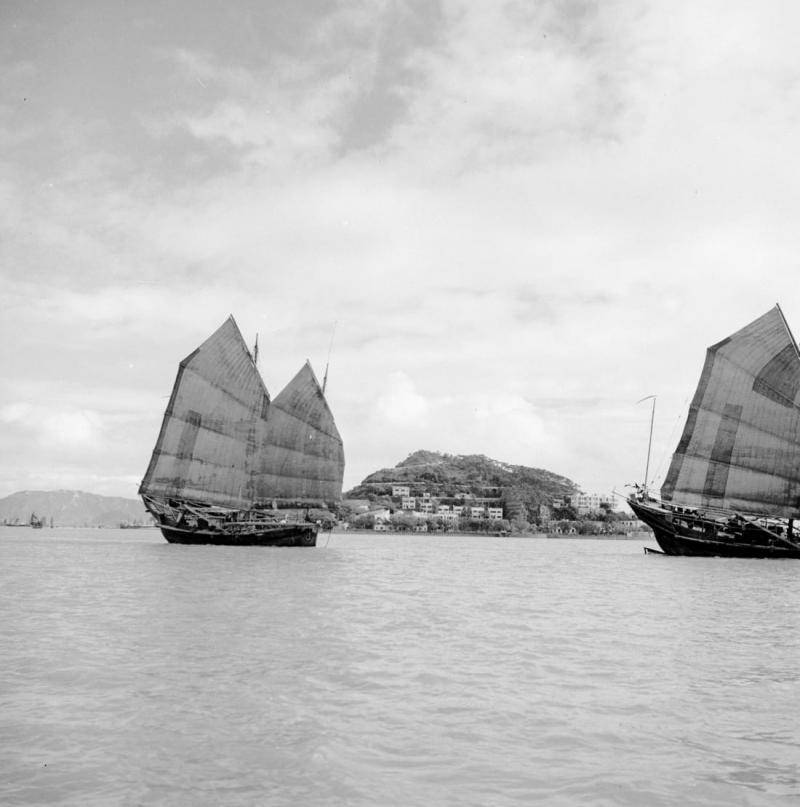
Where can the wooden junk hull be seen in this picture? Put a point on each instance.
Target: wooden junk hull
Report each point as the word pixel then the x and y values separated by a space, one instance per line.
pixel 681 533
pixel 282 535
pixel 182 523
pixel 234 466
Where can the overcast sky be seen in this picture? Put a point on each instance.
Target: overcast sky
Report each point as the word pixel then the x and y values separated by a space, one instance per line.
pixel 523 216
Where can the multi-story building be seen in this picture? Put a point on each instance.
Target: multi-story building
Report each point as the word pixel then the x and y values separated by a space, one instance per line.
pixel 408 503
pixel 398 491
pixel 584 503
pixel 477 512
pixel 495 513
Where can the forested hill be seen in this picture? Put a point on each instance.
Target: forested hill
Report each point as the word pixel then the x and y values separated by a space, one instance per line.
pixel 72 508
pixel 458 474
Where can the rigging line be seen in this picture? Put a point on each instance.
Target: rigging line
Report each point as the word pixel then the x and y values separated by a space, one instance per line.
pixel 650 441
pixel 710 511
pixel 670 438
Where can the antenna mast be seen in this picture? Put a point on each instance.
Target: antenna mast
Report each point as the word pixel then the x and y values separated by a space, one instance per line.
pixel 327 363
pixel 255 352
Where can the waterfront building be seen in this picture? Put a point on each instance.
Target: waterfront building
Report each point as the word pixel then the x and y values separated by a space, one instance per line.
pixel 584 503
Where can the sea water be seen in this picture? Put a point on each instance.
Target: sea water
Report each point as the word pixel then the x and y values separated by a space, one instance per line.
pixel 393 670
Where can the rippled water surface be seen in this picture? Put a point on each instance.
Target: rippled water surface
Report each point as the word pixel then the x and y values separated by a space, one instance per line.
pixel 393 671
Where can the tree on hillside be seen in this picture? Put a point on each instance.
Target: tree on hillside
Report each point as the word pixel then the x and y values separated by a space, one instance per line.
pixel 565 513
pixel 459 475
pixel 403 521
pixel 514 509
pixel 364 521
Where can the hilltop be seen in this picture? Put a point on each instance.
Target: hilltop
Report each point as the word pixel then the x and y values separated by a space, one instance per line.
pixel 454 475
pixel 72 508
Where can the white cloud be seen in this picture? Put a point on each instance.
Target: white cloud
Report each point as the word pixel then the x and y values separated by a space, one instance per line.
pixel 71 429
pixel 58 430
pixel 532 239
pixel 399 403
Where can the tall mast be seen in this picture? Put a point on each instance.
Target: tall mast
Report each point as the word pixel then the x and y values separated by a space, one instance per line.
pixel 255 352
pixel 650 441
pixel 327 363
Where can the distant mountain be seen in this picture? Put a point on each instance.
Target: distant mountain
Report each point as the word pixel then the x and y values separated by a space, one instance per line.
pixel 453 475
pixel 72 508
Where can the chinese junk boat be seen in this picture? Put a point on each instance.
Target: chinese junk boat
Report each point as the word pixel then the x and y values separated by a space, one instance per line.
pixel 733 487
pixel 233 466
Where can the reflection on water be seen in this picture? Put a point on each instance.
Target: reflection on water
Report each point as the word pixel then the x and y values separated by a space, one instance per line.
pixel 393 670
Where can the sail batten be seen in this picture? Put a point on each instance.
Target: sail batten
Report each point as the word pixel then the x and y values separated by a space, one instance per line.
pixel 225 443
pixel 305 457
pixel 740 448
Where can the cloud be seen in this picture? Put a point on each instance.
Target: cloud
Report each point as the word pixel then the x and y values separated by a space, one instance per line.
pixel 290 110
pixel 519 215
pixel 512 83
pixel 64 430
pixel 399 402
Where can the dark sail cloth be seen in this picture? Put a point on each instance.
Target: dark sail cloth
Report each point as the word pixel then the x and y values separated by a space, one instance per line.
pixel 223 441
pixel 740 448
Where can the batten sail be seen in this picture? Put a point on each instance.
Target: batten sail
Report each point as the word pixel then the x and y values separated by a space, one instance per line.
pixel 740 448
pixel 301 456
pixel 209 429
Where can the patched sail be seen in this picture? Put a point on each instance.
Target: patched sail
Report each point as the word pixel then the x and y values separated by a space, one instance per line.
pixel 209 429
pixel 302 456
pixel 740 448
pixel 223 442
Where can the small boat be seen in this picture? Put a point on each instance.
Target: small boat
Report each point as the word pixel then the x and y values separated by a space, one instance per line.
pixel 733 486
pixel 231 465
pixel 36 522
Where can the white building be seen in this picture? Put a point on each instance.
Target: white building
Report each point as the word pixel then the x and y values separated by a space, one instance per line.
pixel 398 491
pixel 495 513
pixel 408 503
pixel 584 503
